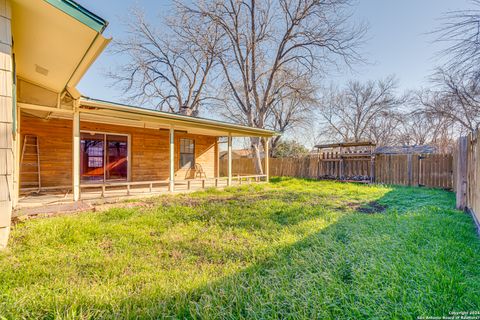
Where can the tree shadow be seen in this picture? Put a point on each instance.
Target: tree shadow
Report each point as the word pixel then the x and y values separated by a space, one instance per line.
pixel 384 265
pixel 414 258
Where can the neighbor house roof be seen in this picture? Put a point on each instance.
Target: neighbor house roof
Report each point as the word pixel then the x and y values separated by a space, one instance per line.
pixel 240 153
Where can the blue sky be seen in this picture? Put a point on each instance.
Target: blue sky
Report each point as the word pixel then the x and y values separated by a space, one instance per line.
pixel 397 43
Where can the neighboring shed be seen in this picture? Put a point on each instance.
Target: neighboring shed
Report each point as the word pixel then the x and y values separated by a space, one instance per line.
pixel 346 160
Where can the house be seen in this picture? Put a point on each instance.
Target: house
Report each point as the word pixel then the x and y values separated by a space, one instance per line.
pixel 55 141
pixel 239 154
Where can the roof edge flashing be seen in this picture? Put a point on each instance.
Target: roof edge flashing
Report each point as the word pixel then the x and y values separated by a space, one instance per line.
pixel 162 114
pixel 80 14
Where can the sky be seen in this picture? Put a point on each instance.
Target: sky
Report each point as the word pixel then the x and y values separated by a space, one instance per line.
pixel 398 41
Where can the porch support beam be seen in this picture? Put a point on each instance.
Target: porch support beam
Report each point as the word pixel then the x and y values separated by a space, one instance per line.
pixel 29 106
pixel 229 180
pixel 171 187
pixel 76 155
pixel 267 159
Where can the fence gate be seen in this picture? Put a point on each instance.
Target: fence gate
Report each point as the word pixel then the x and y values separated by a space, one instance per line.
pixel 435 170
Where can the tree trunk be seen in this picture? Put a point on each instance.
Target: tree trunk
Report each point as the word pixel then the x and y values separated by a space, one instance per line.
pixel 256 143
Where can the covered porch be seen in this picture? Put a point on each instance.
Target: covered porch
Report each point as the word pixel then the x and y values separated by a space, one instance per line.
pixel 103 152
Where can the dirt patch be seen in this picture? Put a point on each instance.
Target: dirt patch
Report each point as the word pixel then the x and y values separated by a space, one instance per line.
pixel 51 210
pixel 372 207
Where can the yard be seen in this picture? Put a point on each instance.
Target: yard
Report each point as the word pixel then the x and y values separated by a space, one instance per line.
pixel 293 248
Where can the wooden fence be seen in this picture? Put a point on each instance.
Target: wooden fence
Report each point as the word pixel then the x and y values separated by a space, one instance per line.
pixel 429 170
pixel 467 170
pixel 433 170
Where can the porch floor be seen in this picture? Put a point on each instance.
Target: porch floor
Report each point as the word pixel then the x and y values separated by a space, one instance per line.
pixel 58 201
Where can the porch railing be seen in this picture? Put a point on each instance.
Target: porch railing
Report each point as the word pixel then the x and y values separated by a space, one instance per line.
pixel 150 186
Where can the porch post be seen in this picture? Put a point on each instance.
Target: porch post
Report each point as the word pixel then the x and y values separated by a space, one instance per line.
pixel 76 154
pixel 229 180
pixel 217 159
pixel 18 151
pixel 267 158
pixel 7 103
pixel 171 185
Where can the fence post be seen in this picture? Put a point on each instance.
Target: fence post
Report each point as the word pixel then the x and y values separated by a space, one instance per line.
pixel 461 172
pixel 342 165
pixel 409 169
pixel 372 168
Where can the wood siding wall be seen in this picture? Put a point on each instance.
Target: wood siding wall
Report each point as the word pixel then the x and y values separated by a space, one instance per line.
pixel 149 150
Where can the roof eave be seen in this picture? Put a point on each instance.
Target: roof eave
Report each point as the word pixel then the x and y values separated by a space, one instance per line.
pixel 80 13
pixel 85 101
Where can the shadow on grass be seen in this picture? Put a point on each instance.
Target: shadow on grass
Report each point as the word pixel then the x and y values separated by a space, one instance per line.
pixel 413 259
pixel 418 257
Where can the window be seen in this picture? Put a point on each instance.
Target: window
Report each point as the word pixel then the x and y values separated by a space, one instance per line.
pixel 95 155
pixel 95 162
pixel 187 153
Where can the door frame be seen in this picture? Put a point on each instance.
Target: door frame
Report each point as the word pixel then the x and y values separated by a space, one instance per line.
pixel 129 149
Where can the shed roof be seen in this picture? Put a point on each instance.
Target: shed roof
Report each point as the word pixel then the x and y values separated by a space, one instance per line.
pixel 419 149
pixel 345 144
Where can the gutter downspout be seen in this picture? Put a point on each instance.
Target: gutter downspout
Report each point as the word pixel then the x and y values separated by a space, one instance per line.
pixel 91 54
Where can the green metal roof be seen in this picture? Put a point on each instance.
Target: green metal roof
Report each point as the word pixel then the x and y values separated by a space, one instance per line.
pixel 79 13
pixel 171 115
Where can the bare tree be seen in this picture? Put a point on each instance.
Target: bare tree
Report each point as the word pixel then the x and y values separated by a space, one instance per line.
pixel 456 98
pixel 169 67
pixel 461 32
pixel 358 112
pixel 292 108
pixel 265 40
pixel 383 129
pixel 420 125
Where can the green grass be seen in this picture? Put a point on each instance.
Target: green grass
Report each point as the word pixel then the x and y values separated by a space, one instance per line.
pixel 293 249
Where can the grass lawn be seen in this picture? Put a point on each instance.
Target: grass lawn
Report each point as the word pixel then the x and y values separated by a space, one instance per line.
pixel 293 248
